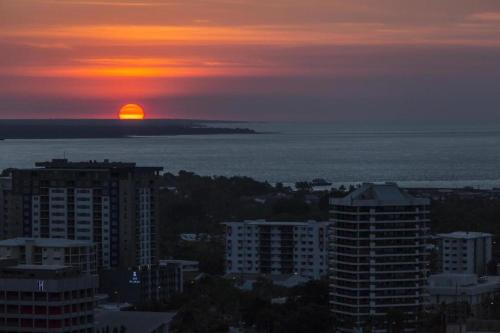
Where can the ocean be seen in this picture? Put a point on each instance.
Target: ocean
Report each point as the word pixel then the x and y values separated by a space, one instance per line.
pixel 445 156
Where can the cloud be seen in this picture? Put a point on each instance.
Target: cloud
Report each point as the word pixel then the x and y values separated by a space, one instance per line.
pixel 331 54
pixel 108 3
pixel 485 17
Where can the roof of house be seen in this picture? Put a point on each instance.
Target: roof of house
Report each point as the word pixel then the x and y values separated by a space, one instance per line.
pixel 277 223
pixel 133 321
pixel 465 235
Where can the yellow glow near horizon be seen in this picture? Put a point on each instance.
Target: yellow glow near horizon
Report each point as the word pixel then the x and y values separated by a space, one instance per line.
pixel 131 112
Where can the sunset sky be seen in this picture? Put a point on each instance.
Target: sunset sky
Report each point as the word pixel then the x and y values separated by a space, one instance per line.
pixel 294 60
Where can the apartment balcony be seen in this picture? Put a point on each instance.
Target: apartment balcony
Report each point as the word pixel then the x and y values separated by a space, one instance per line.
pixel 353 279
pixel 351 271
pixel 355 287
pixel 411 286
pixel 350 313
pixel 388 270
pixel 352 246
pixel 362 254
pixel 405 295
pixel 397 304
pixel 354 297
pixel 352 304
pixel 397 280
pixel 394 251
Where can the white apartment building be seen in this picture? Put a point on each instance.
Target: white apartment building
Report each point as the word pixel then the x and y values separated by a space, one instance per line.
pixel 50 251
pixel 256 247
pixel 378 259
pixel 465 252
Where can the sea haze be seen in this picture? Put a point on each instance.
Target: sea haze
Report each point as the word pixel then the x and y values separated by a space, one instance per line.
pixel 412 155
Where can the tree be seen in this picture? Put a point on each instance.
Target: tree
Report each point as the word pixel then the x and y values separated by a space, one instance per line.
pixel 303 186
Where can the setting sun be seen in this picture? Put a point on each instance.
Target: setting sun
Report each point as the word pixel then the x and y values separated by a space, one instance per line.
pixel 131 112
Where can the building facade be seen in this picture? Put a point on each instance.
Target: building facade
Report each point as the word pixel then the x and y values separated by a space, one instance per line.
pixel 47 251
pixel 465 252
pixel 189 268
pixel 378 260
pixel 148 283
pixel 277 248
pixel 108 203
pixel 5 188
pixel 46 298
pixel 160 282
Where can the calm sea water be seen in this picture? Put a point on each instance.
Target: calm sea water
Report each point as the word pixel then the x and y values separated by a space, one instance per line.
pixel 411 155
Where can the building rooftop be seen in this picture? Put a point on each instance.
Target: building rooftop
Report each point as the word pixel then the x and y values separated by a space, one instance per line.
pixel 40 267
pixel 22 271
pixel 178 261
pixel 44 242
pixel 387 194
pixel 277 223
pixel 465 235
pixel 133 321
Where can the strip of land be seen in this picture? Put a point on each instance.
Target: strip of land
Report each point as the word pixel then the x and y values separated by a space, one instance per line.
pixel 80 129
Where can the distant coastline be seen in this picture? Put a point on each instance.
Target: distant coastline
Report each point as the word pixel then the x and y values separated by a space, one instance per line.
pixel 100 129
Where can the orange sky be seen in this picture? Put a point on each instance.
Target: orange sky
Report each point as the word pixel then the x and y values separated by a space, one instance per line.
pixel 189 58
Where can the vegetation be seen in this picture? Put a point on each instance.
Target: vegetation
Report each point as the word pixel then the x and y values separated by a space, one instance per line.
pixel 196 204
pixel 470 214
pixel 214 304
pixel 200 204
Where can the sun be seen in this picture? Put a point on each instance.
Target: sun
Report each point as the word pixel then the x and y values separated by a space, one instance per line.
pixel 131 112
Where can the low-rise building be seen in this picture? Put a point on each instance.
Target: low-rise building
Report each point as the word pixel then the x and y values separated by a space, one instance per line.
pixel 160 282
pixel 257 247
pixel 45 298
pixel 50 251
pixel 189 268
pixel 148 283
pixel 462 288
pixel 465 252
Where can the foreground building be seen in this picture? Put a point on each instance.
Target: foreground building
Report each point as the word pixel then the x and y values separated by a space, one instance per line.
pixel 378 261
pixel 465 252
pixel 109 321
pixel 111 204
pixel 47 251
pixel 258 247
pixel 45 298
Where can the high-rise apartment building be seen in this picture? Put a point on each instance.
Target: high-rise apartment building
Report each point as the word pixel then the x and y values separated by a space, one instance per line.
pixel 111 204
pixel 5 187
pixel 378 260
pixel 277 248
pixel 465 252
